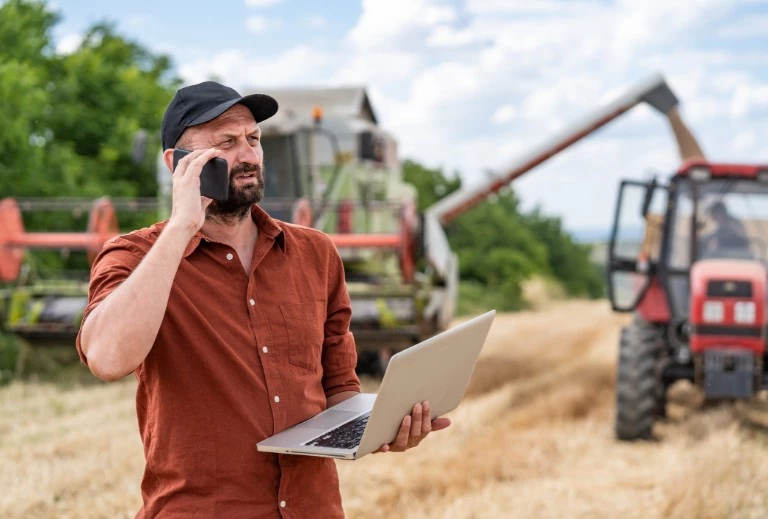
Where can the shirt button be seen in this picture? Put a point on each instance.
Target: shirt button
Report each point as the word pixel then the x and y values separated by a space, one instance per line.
pixel 265 349
pixel 253 303
pixel 282 504
pixel 230 256
pixel 277 398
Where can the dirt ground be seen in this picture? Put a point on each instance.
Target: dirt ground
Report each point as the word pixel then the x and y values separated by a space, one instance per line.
pixel 533 438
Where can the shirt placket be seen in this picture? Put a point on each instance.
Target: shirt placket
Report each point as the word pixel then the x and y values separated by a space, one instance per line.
pixel 263 341
pixel 269 361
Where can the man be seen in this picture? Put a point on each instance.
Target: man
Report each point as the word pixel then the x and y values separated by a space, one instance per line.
pixel 729 234
pixel 235 325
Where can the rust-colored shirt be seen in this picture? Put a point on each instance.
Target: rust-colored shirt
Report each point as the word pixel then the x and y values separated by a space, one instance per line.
pixel 239 357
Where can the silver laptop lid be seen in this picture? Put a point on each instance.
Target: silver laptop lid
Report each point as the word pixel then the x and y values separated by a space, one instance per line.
pixel 437 370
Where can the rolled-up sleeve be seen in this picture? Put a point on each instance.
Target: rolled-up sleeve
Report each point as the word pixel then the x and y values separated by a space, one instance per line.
pixel 111 267
pixel 339 352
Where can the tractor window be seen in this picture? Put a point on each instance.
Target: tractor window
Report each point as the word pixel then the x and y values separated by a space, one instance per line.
pixel 280 168
pixel 733 220
pixel 634 242
pixel 680 229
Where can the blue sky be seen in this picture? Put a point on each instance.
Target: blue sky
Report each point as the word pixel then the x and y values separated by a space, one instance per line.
pixel 469 85
pixel 195 27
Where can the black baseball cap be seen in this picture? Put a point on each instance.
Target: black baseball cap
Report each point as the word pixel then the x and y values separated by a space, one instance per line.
pixel 203 102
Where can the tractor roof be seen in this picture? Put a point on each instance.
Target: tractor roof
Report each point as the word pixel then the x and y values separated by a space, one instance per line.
pixel 722 169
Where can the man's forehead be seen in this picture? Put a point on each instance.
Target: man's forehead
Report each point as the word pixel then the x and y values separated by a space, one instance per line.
pixel 235 119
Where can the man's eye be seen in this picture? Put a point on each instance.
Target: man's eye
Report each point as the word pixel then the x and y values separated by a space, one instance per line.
pixel 228 142
pixel 253 138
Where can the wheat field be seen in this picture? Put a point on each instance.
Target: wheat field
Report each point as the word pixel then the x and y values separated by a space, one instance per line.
pixel 533 438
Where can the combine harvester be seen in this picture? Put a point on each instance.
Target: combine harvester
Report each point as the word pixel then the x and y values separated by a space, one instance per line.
pixel 47 311
pixel 329 165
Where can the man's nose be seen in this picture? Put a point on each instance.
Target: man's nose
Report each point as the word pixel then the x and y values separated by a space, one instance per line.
pixel 246 154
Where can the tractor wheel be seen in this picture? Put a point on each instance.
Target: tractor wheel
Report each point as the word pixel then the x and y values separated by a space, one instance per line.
pixel 640 395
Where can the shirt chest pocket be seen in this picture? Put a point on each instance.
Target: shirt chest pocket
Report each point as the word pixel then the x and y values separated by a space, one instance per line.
pixel 304 323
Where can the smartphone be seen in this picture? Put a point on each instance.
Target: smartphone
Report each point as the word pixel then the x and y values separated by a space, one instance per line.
pixel 214 179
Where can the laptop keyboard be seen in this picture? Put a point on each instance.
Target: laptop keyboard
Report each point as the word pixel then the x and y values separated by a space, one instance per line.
pixel 345 436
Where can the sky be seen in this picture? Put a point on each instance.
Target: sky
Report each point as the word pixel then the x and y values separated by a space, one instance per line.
pixel 471 85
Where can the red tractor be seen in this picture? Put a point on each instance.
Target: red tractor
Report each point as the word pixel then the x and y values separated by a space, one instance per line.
pixel 689 260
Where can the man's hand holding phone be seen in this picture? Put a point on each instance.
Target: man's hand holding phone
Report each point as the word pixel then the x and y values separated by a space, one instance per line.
pixel 189 205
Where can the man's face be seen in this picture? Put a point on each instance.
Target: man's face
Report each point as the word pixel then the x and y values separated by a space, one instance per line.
pixel 237 135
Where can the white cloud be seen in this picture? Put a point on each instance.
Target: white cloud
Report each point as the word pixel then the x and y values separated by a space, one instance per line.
pixel 259 24
pixel 505 114
pixel 523 7
pixel 470 86
pixel 743 141
pixel 749 98
pixel 262 3
pixel 300 65
pixel 256 23
pixel 447 36
pixel 69 43
pixel 390 24
pixel 377 67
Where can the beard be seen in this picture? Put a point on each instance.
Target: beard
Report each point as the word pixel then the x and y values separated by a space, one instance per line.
pixel 240 199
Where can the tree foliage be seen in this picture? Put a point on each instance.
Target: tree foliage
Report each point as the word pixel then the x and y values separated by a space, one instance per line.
pixel 82 124
pixel 75 124
pixel 500 247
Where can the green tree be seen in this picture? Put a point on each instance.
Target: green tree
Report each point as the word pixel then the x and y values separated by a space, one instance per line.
pixel 500 247
pixel 569 261
pixel 24 75
pixel 76 124
pixel 431 184
pixel 71 122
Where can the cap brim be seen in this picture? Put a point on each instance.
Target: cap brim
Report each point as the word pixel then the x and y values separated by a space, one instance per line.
pixel 261 106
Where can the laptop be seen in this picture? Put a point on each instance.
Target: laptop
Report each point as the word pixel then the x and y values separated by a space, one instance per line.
pixel 436 370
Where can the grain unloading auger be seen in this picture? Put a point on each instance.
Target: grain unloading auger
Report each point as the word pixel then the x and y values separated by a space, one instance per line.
pixel 653 91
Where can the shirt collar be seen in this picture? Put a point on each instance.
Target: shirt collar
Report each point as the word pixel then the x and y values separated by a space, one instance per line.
pixel 265 223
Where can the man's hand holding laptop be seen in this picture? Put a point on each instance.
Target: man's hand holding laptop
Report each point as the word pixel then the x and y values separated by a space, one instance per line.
pixel 414 428
pixel 434 373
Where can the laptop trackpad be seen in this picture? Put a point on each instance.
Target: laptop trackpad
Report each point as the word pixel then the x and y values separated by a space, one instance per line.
pixel 329 419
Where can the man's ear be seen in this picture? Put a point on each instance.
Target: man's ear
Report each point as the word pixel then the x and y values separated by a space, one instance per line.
pixel 168 159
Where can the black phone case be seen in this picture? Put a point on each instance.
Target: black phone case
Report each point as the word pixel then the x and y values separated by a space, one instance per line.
pixel 214 179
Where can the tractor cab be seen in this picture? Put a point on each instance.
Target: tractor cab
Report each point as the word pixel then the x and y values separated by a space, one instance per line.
pixel 689 259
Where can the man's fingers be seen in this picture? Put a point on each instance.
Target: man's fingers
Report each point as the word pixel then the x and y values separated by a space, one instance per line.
pixel 401 441
pixel 426 419
pixel 184 161
pixel 416 421
pixel 440 423
pixel 196 166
